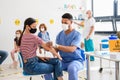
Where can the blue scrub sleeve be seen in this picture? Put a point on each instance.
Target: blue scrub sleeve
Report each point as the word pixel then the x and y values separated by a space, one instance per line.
pixel 76 41
pixel 58 38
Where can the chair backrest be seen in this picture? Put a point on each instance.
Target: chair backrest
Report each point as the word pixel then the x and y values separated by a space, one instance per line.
pixel 20 58
pixel 83 55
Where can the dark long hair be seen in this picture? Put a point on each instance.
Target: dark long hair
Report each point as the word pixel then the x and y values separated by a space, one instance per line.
pixel 28 22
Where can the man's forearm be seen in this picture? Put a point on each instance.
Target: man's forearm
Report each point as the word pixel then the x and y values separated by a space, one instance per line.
pixel 66 48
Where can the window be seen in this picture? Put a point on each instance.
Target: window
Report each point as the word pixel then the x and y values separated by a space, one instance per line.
pixel 107 11
pixel 118 25
pixel 103 8
pixel 89 4
pixel 103 26
pixel 119 7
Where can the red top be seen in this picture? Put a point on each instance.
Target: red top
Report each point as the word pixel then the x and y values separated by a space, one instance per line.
pixel 29 44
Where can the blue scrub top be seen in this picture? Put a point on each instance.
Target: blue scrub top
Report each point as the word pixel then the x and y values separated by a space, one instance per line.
pixel 73 38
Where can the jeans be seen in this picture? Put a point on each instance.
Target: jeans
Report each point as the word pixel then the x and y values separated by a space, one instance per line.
pixel 3 56
pixel 72 68
pixel 37 66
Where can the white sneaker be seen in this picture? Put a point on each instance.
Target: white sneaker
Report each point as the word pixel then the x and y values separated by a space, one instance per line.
pixel 13 65
pixel 1 69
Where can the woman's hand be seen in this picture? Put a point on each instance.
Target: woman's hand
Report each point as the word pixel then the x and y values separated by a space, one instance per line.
pixel 49 44
pixel 49 47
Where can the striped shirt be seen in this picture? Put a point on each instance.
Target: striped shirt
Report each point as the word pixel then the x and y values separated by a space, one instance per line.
pixel 29 44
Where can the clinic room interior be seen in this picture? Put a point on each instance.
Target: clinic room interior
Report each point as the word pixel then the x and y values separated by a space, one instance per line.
pixel 59 39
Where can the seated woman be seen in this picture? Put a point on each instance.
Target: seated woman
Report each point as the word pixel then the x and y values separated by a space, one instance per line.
pixel 15 50
pixel 34 64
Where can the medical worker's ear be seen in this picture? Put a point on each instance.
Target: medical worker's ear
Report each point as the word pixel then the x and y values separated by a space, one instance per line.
pixel 72 25
pixel 71 21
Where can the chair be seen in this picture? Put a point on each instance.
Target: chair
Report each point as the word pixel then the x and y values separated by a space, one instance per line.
pixel 20 58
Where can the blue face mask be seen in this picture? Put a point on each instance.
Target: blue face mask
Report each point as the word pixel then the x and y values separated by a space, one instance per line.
pixel 33 30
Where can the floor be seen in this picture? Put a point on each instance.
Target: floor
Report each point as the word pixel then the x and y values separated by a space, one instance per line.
pixel 107 73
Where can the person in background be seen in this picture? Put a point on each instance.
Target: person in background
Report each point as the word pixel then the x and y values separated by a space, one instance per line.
pixel 34 64
pixel 88 32
pixel 3 56
pixel 68 45
pixel 15 49
pixel 43 34
pixel 118 34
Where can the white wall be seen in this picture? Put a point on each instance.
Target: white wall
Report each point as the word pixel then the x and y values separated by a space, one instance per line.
pixel 43 10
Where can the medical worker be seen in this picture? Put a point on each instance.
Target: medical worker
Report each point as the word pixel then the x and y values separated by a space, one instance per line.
pixel 68 45
pixel 88 32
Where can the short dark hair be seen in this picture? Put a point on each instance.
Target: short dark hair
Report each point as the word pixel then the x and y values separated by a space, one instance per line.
pixel 68 16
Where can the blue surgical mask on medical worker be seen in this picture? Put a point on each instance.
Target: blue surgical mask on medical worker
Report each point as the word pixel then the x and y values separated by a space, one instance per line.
pixel 65 27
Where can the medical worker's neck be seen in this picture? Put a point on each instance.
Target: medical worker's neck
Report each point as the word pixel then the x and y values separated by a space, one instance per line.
pixel 69 30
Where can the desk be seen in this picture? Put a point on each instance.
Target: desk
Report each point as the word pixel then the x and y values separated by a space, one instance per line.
pixel 116 60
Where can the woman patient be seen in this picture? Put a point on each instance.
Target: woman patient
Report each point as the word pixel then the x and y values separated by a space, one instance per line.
pixel 34 64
